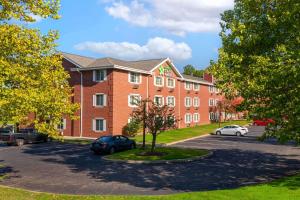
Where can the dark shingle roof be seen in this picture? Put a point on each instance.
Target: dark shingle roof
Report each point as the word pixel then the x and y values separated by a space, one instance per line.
pixel 88 62
pixel 194 78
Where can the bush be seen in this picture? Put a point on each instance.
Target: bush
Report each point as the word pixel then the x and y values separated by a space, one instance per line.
pixel 131 128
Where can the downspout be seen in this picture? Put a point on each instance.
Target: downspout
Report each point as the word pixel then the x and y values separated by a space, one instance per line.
pixel 179 99
pixel 81 101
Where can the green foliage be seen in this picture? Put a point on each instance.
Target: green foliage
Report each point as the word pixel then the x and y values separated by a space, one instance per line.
pixel 260 61
pixel 191 70
pixel 132 128
pixel 34 86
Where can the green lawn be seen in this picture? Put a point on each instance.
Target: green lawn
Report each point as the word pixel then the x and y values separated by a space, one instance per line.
pixel 185 133
pixel 170 154
pixel 284 189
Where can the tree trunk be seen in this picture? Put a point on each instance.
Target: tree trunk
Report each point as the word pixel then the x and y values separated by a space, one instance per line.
pixel 153 142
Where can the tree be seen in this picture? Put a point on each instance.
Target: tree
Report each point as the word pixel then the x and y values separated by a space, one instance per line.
pixel 132 128
pixel 34 87
pixel 191 70
pixel 259 61
pixel 157 119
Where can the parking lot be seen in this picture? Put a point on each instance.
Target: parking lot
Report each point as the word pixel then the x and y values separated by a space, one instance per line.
pixel 73 169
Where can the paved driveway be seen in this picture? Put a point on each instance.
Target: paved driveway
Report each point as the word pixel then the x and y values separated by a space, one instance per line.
pixel 73 169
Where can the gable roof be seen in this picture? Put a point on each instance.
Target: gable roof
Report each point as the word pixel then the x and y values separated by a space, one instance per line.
pixel 81 61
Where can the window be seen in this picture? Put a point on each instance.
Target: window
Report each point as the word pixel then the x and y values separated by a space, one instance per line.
pixel 171 101
pixel 216 102
pixel 159 81
pixel 211 102
pixel 159 100
pixel 99 75
pixel 62 125
pixel 211 116
pixel 196 102
pixel 188 85
pixel 211 89
pixel 188 102
pixel 188 118
pixel 99 100
pixel 216 116
pixel 99 125
pixel 170 82
pixel 134 100
pixel 217 90
pixel 196 86
pixel 134 78
pixel 196 117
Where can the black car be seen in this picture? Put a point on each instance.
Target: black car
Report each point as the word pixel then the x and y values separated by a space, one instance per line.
pixel 111 144
pixel 23 136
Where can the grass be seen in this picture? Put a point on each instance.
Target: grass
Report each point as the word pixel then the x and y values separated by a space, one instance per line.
pixel 283 189
pixel 185 133
pixel 169 153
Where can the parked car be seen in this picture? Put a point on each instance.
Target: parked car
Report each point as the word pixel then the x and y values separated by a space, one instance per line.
pixel 262 122
pixel 232 130
pixel 111 144
pixel 23 136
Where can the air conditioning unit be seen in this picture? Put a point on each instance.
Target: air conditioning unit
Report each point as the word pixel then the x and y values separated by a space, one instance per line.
pixel 135 86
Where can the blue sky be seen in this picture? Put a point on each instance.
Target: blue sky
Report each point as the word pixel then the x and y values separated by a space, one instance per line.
pixel 186 31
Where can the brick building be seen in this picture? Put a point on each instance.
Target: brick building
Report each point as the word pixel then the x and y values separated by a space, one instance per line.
pixel 107 89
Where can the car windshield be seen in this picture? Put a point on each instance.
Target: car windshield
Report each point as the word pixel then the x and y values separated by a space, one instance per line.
pixel 4 131
pixel 105 139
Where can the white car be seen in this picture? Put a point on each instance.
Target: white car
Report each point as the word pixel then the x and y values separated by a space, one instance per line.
pixel 232 130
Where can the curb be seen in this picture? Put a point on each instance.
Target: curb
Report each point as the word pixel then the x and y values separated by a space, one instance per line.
pixel 185 140
pixel 210 154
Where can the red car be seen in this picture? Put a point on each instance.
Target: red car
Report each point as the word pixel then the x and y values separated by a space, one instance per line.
pixel 262 122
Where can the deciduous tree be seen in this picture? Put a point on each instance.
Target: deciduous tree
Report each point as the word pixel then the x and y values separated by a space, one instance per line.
pixel 259 60
pixel 32 79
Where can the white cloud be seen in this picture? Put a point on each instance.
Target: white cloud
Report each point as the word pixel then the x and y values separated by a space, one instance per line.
pixel 155 48
pixel 37 18
pixel 176 16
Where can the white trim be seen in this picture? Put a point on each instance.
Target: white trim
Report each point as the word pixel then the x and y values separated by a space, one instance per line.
pixel 191 103
pixel 94 124
pixel 168 59
pixel 162 99
pixel 129 102
pixel 198 86
pixel 211 89
pixel 162 81
pixel 129 78
pixel 191 118
pixel 112 67
pixel 71 61
pixel 196 121
pixel 94 75
pixel 104 100
pixel 194 81
pixel 186 83
pixel 211 100
pixel 167 101
pixel 167 82
pixel 197 106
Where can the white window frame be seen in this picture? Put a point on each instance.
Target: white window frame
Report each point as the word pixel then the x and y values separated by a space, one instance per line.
pixel 95 100
pixel 216 102
pixel 211 116
pixel 94 125
pixel 129 77
pixel 198 99
pixel 63 125
pixel 198 87
pixel 211 102
pixel 167 82
pixel 162 81
pixel 129 102
pixel 162 99
pixel 188 83
pixel 167 100
pixel 191 103
pixel 185 118
pixel 94 75
pixel 211 88
pixel 198 118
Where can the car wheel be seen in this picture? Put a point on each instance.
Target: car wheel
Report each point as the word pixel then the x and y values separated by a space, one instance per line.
pixel 238 134
pixel 20 142
pixel 112 150
pixel 218 132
